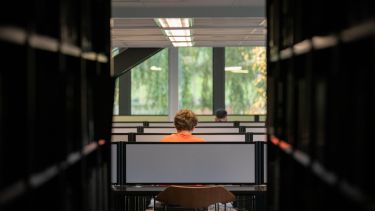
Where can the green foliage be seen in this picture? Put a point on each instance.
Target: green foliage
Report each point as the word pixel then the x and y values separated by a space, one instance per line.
pixel 195 82
pixel 149 91
pixel 245 93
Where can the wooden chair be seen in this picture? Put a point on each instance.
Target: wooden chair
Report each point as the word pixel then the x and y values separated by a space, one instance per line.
pixel 192 198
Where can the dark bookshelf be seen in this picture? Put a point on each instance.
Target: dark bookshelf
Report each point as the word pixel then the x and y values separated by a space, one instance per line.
pixel 55 68
pixel 321 104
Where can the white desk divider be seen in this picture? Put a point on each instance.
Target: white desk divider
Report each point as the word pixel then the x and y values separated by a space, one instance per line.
pixel 253 124
pixel 256 130
pixel 196 130
pixel 215 124
pixel 161 124
pixel 260 137
pixel 213 163
pixel 200 124
pixel 207 137
pixel 127 124
pixel 124 130
pixel 120 137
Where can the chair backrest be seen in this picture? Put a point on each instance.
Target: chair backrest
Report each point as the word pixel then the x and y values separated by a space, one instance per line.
pixel 195 197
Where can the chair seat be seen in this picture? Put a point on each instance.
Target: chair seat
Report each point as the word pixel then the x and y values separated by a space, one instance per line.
pixel 195 197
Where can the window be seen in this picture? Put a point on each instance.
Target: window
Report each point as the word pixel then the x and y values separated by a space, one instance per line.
pixel 245 80
pixel 195 79
pixel 149 86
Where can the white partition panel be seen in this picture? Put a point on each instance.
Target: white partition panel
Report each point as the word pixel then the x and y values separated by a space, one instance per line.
pixel 196 130
pixel 127 124
pixel 124 130
pixel 215 124
pixel 122 137
pixel 260 137
pixel 161 124
pixel 253 124
pixel 114 163
pixel 207 137
pixel 190 163
pixel 159 130
pixel 216 130
pixel 256 130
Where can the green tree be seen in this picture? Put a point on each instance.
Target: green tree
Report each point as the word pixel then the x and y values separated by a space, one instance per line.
pixel 195 85
pixel 149 88
pixel 245 89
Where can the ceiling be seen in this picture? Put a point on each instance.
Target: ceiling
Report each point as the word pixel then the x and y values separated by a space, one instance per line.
pixel 216 23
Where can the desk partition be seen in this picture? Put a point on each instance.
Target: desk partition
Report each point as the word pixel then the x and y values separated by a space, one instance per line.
pixel 258 137
pixel 180 163
pixel 255 130
pixel 230 137
pixel 196 130
pixel 124 130
pixel 200 124
pixel 127 124
pixel 120 137
pixel 253 124
pixel 215 124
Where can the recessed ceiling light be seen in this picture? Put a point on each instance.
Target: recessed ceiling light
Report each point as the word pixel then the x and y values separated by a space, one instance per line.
pixel 174 22
pixel 182 44
pixel 178 33
pixel 180 39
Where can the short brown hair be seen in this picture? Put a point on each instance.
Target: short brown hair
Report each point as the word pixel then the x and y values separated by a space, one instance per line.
pixel 185 119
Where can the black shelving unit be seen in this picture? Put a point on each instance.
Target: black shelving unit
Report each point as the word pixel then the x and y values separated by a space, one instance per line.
pixel 321 104
pixel 55 105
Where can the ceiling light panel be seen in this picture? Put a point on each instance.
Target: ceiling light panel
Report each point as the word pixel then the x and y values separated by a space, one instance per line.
pixel 174 22
pixel 180 39
pixel 178 33
pixel 182 44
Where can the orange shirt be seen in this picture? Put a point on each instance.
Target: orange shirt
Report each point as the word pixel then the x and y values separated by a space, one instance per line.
pixel 182 137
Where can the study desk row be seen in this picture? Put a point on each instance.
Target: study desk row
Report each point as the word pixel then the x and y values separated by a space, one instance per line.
pixel 205 129
pixel 200 124
pixel 209 137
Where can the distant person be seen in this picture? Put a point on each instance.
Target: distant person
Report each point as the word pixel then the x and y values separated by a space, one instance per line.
pixel 220 115
pixel 185 122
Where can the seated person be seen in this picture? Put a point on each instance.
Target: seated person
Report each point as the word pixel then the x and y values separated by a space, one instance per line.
pixel 220 115
pixel 185 122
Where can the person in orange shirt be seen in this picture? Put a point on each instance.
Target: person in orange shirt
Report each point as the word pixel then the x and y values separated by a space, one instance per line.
pixel 185 122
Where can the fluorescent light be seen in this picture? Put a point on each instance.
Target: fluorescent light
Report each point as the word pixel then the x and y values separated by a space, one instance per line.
pixel 174 22
pixel 154 68
pixel 177 33
pixel 182 44
pixel 233 68
pixel 180 39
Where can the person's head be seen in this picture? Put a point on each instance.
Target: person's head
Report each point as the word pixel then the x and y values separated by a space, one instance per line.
pixel 220 115
pixel 185 119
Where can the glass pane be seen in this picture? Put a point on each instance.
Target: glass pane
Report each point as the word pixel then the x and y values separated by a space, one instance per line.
pixel 195 79
pixel 149 86
pixel 245 80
